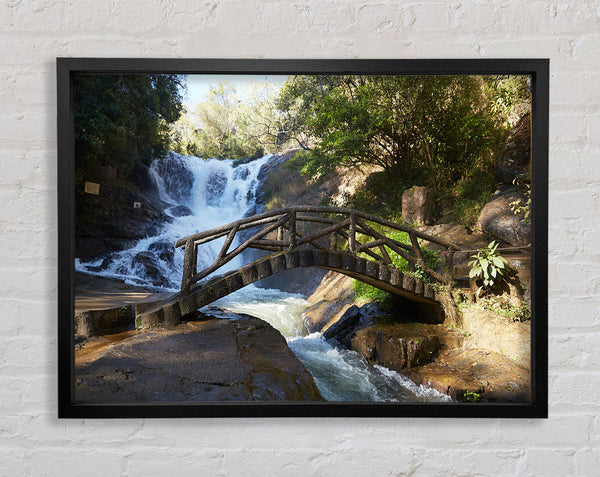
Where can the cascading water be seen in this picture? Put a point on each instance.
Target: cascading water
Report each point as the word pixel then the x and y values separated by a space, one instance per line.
pixel 203 194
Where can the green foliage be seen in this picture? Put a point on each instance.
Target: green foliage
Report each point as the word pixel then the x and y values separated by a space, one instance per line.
pixel 507 92
pixel 120 119
pixel 520 206
pixel 469 195
pixel 488 266
pixel 364 291
pixel 469 396
pixel 379 196
pixel 424 129
pixel 501 305
pixel 383 298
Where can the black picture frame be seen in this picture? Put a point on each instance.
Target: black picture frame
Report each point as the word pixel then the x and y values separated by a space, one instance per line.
pixel 539 71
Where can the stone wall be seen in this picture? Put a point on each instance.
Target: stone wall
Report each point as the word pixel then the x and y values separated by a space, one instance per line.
pixel 33 34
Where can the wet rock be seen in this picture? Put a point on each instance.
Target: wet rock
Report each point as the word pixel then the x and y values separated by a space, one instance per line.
pixel 180 211
pixel 116 234
pixel 498 219
pixel 215 186
pixel 344 329
pixel 114 224
pixel 106 262
pixel 241 173
pixel 177 177
pixel 237 359
pixel 147 262
pixel 165 250
pixel 417 205
pixel 274 162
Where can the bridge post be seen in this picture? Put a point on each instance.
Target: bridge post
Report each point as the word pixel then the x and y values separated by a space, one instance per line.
pixel 292 229
pixel 352 234
pixel 280 236
pixel 333 241
pixel 188 266
pixel 449 265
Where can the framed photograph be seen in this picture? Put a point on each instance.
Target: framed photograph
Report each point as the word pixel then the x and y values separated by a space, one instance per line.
pixel 339 238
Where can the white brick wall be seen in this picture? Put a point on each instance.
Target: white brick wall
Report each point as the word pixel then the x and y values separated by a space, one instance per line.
pixel 33 33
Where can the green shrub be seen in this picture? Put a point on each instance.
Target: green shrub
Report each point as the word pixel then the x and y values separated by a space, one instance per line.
pixel 520 206
pixel 488 266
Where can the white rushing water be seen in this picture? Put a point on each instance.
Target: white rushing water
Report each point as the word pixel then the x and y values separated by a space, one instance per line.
pixel 340 374
pixel 204 194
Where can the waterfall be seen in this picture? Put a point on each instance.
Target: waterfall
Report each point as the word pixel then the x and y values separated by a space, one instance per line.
pixel 202 194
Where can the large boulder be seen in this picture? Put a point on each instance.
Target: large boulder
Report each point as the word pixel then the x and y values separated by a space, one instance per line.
pixel 177 178
pixel 215 187
pixel 354 319
pixel 398 346
pixel 417 205
pixel 240 358
pixel 498 219
pixel 344 329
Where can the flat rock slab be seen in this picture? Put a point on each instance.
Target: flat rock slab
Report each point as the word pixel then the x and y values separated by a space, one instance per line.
pixel 493 377
pixel 241 359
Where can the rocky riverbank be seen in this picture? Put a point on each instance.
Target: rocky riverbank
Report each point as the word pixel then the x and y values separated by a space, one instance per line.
pixel 489 362
pixel 482 357
pixel 228 358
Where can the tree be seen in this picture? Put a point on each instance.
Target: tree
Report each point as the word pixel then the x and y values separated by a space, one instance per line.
pixel 259 121
pixel 121 121
pixel 416 128
pixel 217 128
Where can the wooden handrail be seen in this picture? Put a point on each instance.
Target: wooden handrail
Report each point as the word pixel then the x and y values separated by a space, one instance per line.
pixel 276 221
pixel 273 216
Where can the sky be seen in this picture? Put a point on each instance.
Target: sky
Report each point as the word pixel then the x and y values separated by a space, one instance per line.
pixel 199 85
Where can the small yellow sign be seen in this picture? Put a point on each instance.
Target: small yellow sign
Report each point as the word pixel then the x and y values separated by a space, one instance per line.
pixel 92 188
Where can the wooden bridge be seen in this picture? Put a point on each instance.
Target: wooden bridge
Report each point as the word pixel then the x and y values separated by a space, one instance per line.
pixel 332 238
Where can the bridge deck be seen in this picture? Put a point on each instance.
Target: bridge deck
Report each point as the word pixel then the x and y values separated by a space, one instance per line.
pixel 386 277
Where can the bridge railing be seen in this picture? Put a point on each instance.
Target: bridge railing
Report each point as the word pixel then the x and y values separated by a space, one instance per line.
pixel 345 228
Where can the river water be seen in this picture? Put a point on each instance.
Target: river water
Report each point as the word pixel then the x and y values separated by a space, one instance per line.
pixel 203 194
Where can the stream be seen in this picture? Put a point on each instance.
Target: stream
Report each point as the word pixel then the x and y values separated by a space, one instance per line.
pixel 203 194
